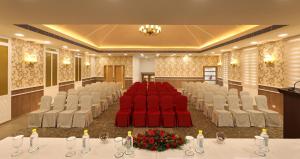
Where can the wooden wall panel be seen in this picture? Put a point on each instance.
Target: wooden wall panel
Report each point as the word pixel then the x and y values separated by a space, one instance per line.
pixel 3 70
pixel 177 81
pixel 275 99
pixel 235 84
pixel 88 81
pixel 219 81
pixel 65 86
pixel 25 100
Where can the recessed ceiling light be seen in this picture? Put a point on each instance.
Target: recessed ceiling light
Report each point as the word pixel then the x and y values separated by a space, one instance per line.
pixel 223 50
pixel 173 55
pixel 47 42
pixel 283 35
pixel 19 34
pixel 65 47
pixel 125 54
pixel 254 43
pixel 157 55
pixel 142 55
pixel 77 50
pixel 213 52
pixel 109 54
pixel 235 47
pixel 190 54
pixel 92 54
pixel 86 52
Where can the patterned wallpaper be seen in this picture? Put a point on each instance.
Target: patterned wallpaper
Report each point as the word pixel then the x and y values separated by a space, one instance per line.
pixel 235 72
pixel 23 74
pixel 101 61
pixel 86 70
pixel 271 75
pixel 178 67
pixel 66 72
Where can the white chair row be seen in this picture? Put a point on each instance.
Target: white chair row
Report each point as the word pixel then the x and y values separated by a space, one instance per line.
pixel 241 112
pixel 78 109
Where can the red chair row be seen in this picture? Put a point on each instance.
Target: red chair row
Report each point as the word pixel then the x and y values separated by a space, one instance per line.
pixel 153 111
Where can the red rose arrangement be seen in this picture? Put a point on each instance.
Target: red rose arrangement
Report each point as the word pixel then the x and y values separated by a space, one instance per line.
pixel 157 140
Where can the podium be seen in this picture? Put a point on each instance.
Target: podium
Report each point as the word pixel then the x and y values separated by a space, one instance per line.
pixel 291 113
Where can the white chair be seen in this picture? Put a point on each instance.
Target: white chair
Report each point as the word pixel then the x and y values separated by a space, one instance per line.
pixel 257 118
pixel 241 118
pixel 72 92
pixel 96 107
pixel 65 118
pixel 233 91
pixel 35 118
pixel 272 117
pixel 104 101
pixel 208 104
pixel 244 93
pixel 50 117
pixel 200 100
pixel 83 117
pixel 220 116
pixel 62 93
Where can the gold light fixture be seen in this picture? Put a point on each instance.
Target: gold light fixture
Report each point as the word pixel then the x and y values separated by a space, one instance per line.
pixel 150 30
pixel 66 61
pixel 30 58
pixel 268 59
pixel 234 62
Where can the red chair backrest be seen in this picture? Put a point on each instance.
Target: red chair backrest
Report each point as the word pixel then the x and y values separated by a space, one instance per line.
pixel 181 103
pixel 125 103
pixel 166 103
pixel 153 103
pixel 140 103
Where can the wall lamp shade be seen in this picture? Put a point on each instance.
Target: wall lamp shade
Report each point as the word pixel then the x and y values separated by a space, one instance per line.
pixel 67 61
pixel 30 58
pixel 268 59
pixel 234 62
pixel 87 63
pixel 219 63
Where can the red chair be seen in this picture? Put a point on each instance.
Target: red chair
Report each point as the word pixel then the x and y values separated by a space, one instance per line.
pixel 124 114
pixel 167 111
pixel 182 114
pixel 139 113
pixel 153 113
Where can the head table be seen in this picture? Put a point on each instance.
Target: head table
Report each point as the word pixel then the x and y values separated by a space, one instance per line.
pixel 55 148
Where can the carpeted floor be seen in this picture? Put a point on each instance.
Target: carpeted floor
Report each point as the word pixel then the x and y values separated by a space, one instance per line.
pixel 105 123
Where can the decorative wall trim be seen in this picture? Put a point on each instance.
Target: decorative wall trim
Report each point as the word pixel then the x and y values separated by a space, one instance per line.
pixel 250 35
pixel 26 90
pixel 219 81
pixel 235 84
pixel 65 86
pixel 268 88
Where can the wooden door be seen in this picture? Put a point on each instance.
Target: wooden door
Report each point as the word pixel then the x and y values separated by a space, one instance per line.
pixel 120 74
pixel 109 73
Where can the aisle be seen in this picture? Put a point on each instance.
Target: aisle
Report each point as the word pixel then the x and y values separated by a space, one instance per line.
pixel 105 122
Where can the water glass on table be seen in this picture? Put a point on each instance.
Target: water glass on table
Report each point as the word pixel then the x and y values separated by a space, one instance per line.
pixel 17 143
pixel 70 144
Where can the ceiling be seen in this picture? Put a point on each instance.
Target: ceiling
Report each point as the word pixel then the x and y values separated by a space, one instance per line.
pixel 169 12
pixel 128 36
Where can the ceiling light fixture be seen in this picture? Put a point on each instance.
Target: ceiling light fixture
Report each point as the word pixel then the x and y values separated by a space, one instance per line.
pixel 235 47
pixel 173 55
pixel 47 42
pixel 65 47
pixel 142 55
pixel 190 54
pixel 157 55
pixel 254 43
pixel 77 50
pixel 283 35
pixel 125 54
pixel 213 52
pixel 109 54
pixel 19 34
pixel 150 30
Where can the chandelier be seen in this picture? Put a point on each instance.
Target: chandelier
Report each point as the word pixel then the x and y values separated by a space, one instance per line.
pixel 150 29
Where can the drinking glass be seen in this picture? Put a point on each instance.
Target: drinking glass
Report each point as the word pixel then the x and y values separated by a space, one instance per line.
pixel 220 137
pixel 70 144
pixel 104 137
pixel 17 142
pixel 118 144
pixel 189 150
pixel 260 144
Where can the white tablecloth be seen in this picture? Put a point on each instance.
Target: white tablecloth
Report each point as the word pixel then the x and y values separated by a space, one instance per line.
pixel 55 148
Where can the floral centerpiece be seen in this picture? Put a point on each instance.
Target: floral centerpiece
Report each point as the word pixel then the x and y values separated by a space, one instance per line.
pixel 157 140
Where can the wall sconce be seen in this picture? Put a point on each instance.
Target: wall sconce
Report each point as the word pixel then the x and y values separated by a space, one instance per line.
pixel 268 59
pixel 185 58
pixel 234 62
pixel 87 63
pixel 30 58
pixel 219 63
pixel 67 61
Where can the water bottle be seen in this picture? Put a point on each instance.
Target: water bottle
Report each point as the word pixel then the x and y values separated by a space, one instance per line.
pixel 129 144
pixel 34 141
pixel 85 142
pixel 266 139
pixel 200 142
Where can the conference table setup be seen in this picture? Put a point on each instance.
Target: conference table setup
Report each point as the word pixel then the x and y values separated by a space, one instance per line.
pixel 57 148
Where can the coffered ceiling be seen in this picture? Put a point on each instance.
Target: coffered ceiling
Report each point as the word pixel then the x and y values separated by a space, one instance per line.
pixel 171 37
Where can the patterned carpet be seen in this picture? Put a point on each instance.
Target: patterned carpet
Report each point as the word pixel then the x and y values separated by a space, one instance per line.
pixel 105 123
